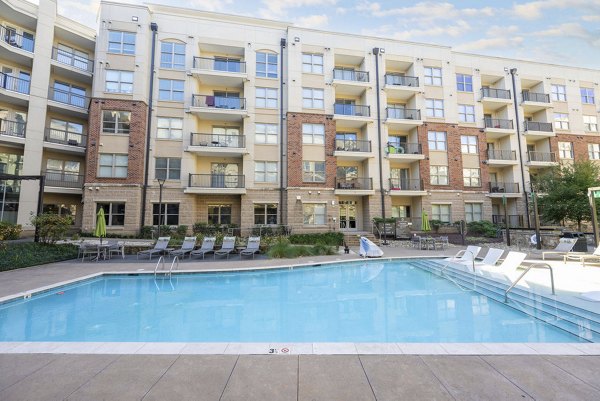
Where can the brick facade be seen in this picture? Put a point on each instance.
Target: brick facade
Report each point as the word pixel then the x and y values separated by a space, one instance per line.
pixel 580 144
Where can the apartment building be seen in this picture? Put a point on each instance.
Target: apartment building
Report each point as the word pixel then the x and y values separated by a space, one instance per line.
pixel 46 72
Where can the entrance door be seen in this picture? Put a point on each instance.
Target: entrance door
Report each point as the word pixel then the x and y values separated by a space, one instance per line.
pixel 224 175
pixel 348 215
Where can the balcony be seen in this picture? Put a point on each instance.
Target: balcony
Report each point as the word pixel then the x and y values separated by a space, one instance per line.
pixel 351 115
pixel 406 187
pixel 16 47
pixel 533 102
pixel 538 129
pixel 225 72
pixel 65 101
pixel 66 140
pixel 493 99
pixel 349 149
pixel 71 64
pixel 498 127
pixel 63 182
pixel 219 108
pixel 354 186
pixel 350 82
pixel 401 118
pixel 217 145
pixel 14 90
pixel 404 151
pixel 401 87
pixel 514 220
pixel 504 188
pixel 541 159
pixel 215 184
pixel 501 158
pixel 15 129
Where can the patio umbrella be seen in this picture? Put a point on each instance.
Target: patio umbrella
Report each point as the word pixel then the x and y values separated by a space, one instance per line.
pixel 100 225
pixel 425 222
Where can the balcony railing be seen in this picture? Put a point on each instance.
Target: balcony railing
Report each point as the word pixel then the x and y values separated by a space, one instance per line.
pixel 218 140
pixel 514 220
pixel 350 75
pixel 219 102
pixel 72 59
pixel 219 64
pixel 65 137
pixel 12 128
pixel 548 157
pixel 535 97
pixel 402 113
pixel 63 179
pixel 504 187
pixel 538 126
pixel 404 148
pixel 352 145
pixel 69 98
pixel 409 184
pixel 14 84
pixel 498 123
pixel 15 39
pixel 352 110
pixel 501 154
pixel 495 93
pixel 362 183
pixel 401 80
pixel 216 181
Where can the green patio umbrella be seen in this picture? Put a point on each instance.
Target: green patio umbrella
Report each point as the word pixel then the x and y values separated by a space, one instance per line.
pixel 100 225
pixel 425 222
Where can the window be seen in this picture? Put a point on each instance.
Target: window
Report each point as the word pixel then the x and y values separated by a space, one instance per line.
pixel 219 214
pixel 471 177
pixel 170 89
pixel 466 113
pixel 437 140
pixel 468 144
pixel 266 98
pixel 590 123
pixel 313 133
pixel 169 128
pixel 172 55
pixel 169 214
pixel 473 212
pixel 587 95
pixel 312 63
pixel 434 107
pixel 265 171
pixel 68 94
pixel 559 93
pixel 265 213
pixel 65 132
pixel 119 81
pixel 561 121
pixel 594 151
pixel 112 165
pixel 441 213
pixel 312 98
pixel 438 175
pixel 314 213
pixel 433 76
pixel 68 55
pixel 565 150
pixel 114 213
pixel 464 83
pixel 265 133
pixel 313 171
pixel 116 122
pixel 121 42
pixel 167 168
pixel 266 65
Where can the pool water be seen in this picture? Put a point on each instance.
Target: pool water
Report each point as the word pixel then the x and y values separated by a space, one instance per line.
pixel 348 302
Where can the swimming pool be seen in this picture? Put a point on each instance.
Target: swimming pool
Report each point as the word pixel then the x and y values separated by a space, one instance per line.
pixel 381 301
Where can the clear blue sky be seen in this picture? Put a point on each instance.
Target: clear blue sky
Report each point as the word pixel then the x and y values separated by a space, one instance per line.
pixel 555 31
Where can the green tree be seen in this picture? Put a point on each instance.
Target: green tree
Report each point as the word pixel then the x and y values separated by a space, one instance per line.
pixel 564 191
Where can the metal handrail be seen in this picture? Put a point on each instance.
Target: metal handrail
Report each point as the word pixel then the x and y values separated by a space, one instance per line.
pixel 175 259
pixel 15 39
pixel 161 259
pixel 533 266
pixel 14 84
pixel 74 60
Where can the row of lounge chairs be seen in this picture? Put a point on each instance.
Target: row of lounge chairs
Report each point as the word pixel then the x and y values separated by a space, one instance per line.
pixel 208 246
pixel 507 268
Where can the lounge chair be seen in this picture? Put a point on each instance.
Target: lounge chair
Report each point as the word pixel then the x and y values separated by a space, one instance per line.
pixel 208 246
pixel 160 247
pixel 465 255
pixel 251 248
pixel 490 259
pixel 584 257
pixel 564 246
pixel 189 243
pixel 227 247
pixel 507 268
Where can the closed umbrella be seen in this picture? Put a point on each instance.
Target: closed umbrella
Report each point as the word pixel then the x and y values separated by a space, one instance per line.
pixel 425 222
pixel 100 225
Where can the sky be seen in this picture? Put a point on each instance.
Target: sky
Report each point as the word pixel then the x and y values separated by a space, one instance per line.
pixel 554 31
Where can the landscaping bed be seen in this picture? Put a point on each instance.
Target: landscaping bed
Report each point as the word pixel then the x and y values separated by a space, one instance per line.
pixel 18 255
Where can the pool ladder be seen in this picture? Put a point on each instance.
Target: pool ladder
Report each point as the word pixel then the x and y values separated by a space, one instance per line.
pixel 174 263
pixel 532 266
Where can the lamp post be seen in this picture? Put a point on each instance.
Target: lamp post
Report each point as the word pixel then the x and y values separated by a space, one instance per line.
pixel 377 52
pixel 161 182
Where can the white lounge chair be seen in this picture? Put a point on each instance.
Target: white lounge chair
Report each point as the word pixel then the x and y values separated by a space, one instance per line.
pixel 189 243
pixel 564 246
pixel 161 246
pixel 227 247
pixel 465 255
pixel 208 246
pixel 251 248
pixel 491 258
pixel 584 257
pixel 507 268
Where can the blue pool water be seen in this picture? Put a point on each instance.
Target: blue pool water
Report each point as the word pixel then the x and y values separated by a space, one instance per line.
pixel 359 302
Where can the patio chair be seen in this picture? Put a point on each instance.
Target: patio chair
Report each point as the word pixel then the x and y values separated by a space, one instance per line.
pixel 251 248
pixel 465 255
pixel 584 257
pixel 208 246
pixel 88 249
pixel 491 258
pixel 416 241
pixel 160 247
pixel 564 246
pixel 227 247
pixel 116 248
pixel 440 242
pixel 189 243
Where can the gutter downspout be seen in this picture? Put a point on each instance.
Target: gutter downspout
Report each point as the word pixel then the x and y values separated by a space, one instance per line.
pixel 282 44
pixel 376 52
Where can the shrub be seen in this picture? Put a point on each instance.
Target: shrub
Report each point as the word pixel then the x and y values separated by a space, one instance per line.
pixel 51 227
pixel 484 228
pixel 16 256
pixel 321 249
pixel 146 232
pixel 329 238
pixel 435 224
pixel 181 231
pixel 9 231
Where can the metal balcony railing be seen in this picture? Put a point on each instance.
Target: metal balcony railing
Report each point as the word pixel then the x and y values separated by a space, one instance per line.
pixel 401 80
pixel 218 140
pixel 70 98
pixel 216 181
pixel 364 183
pixel 409 184
pixel 65 137
pixel 514 220
pixel 402 113
pixel 55 178
pixel 501 154
pixel 12 128
pixel 495 93
pixel 535 97
pixel 538 126
pixel 219 102
pixel 219 64
pixel 14 84
pixel 549 157
pixel 72 59
pixel 15 39
pixel 402 148
pixel 352 110
pixel 350 75
pixel 498 123
pixel 504 187
pixel 349 145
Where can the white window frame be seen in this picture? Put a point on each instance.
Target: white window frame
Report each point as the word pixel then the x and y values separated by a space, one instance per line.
pixel 466 113
pixel 312 63
pixel 268 72
pixel 263 212
pixel 594 151
pixel 472 177
pixel 434 108
pixel 590 123
pixel 558 93
pixel 438 175
pixel 471 214
pixel 588 97
pixel 265 171
pixel 565 150
pixel 468 144
pixel 121 46
pixel 110 213
pixel 433 76
pixel 314 214
pixel 461 80
pixel 310 172
pixel 313 98
pixel 168 169
pixel 437 140
pixel 169 128
pixel 118 128
pixel 266 134
pixel 561 121
pixel 267 98
pixel 313 134
pixel 118 165
pixel 122 81
pixel 174 94
pixel 169 62
pixel 441 212
pixel 165 214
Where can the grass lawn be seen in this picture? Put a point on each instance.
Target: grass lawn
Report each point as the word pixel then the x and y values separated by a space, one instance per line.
pixel 16 256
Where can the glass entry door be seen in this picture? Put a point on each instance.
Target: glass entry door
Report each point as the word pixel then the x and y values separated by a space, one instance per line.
pixel 348 215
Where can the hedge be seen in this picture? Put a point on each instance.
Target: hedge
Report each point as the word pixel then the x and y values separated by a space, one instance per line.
pixel 16 256
pixel 330 238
